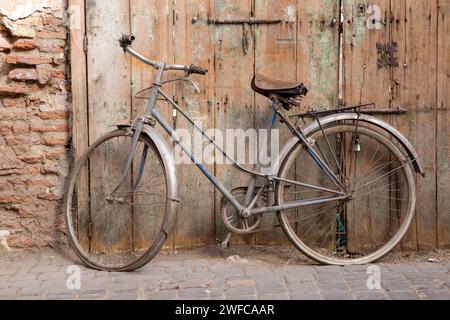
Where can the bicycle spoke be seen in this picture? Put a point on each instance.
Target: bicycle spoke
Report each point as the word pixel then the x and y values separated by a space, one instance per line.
pixel 383 176
pixel 123 226
pixel 373 216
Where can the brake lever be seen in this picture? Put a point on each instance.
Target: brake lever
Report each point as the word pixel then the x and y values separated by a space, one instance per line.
pixel 126 41
pixel 197 89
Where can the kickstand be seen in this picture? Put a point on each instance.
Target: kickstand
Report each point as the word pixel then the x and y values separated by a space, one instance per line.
pixel 226 242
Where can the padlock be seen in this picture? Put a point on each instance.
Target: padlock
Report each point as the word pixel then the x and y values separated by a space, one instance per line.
pixel 356 145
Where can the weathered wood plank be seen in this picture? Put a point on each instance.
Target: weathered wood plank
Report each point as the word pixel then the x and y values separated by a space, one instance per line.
pixel 318 48
pixel 152 24
pixel 195 224
pixel 275 57
pixel 109 102
pixel 318 52
pixel 234 98
pixel 402 122
pixel 443 123
pixel 415 30
pixel 367 25
pixel 109 88
pixel 364 81
pixel 80 133
pixel 78 72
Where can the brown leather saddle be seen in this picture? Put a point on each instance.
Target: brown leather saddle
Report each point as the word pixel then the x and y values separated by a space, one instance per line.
pixel 285 91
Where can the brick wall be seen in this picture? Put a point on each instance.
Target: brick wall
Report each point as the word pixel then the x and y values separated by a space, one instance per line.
pixel 34 127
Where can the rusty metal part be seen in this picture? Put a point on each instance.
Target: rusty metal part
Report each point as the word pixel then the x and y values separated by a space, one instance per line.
pixel 247 34
pixel 387 55
pixel 358 109
pixel 251 21
pixel 234 220
pixel 385 111
pixel 226 243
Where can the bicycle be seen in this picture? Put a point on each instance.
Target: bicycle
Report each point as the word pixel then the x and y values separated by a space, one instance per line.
pixel 342 188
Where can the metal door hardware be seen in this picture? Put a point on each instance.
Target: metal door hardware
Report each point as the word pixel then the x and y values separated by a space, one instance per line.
pixel 250 21
pixel 360 109
pixel 395 111
pixel 387 55
pixel 247 33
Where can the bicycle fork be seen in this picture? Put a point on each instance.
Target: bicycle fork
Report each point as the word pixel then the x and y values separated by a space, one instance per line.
pixel 136 129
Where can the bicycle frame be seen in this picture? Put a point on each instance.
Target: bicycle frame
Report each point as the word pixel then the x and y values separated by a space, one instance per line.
pixel 270 179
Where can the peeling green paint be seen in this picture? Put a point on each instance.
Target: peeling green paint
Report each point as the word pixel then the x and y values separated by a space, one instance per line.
pixel 359 30
pixel 322 64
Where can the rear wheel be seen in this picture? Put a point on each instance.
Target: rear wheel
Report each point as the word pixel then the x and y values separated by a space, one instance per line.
pixel 115 224
pixel 369 224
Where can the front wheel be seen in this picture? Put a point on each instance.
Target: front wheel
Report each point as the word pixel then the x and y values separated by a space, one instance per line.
pixel 380 184
pixel 116 223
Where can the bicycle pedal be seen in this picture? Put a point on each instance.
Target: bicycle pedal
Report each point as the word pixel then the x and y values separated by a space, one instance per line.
pixel 226 243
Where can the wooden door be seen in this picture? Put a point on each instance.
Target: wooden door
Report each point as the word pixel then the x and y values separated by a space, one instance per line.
pixel 109 102
pixel 417 81
pixel 304 46
pixel 443 124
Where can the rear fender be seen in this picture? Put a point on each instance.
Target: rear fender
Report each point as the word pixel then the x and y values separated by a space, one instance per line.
pixel 409 149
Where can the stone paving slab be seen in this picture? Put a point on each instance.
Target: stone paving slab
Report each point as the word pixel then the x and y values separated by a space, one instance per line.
pixel 191 276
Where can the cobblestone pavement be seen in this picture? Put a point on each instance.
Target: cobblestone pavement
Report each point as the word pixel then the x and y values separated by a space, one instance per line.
pixel 193 276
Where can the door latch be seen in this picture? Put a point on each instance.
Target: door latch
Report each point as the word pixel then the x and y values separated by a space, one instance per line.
pixel 237 21
pixel 247 33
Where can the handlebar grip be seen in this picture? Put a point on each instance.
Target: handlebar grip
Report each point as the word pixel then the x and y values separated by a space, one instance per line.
pixel 126 40
pixel 197 70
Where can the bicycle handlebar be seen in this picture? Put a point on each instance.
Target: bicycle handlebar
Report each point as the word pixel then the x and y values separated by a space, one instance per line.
pixel 197 70
pixel 127 40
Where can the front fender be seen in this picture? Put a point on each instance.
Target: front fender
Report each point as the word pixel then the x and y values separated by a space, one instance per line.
pixel 171 174
pixel 412 153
